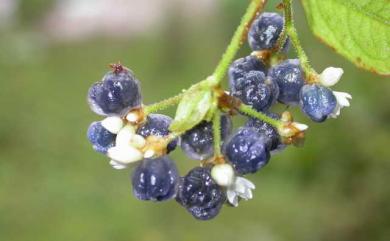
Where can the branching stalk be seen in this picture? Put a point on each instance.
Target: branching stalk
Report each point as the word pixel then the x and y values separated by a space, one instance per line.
pixel 217 133
pixel 238 39
pixel 311 74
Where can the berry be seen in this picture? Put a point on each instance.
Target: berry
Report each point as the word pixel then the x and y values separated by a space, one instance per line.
pixel 241 67
pixel 317 102
pixel 289 77
pixel 265 31
pixel 200 195
pixel 116 94
pixel 255 90
pixel 155 179
pixel 247 151
pixel 197 143
pixel 100 138
pixel 270 134
pixel 157 125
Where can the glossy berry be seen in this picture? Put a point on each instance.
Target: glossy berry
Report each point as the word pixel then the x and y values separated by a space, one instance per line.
pixel 255 90
pixel 247 150
pixel 317 102
pixel 100 138
pixel 197 143
pixel 270 134
pixel 116 94
pixel 200 195
pixel 289 77
pixel 265 31
pixel 155 179
pixel 157 125
pixel 239 68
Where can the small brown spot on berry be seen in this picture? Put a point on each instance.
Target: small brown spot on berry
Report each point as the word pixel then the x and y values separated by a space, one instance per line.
pixel 117 68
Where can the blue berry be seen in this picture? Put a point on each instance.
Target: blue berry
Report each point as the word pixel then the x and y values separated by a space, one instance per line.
pixel 289 77
pixel 270 134
pixel 247 151
pixel 197 143
pixel 255 90
pixel 155 179
pixel 157 125
pixel 265 31
pixel 239 68
pixel 200 195
pixel 317 102
pixel 100 138
pixel 116 94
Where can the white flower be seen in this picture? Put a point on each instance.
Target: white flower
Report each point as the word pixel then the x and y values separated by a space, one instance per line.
pixel 240 188
pixel 342 101
pixel 125 135
pixel 330 76
pixel 300 126
pixel 125 150
pixel 124 154
pixel 117 165
pixel 113 124
pixel 223 174
pixel 132 117
pixel 292 129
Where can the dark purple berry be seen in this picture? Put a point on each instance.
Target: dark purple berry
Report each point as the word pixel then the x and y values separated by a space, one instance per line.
pixel 157 125
pixel 317 102
pixel 155 179
pixel 256 90
pixel 100 138
pixel 289 76
pixel 200 195
pixel 239 68
pixel 270 133
pixel 247 150
pixel 265 31
pixel 116 94
pixel 197 143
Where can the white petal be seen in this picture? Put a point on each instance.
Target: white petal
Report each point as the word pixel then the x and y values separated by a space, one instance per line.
pixel 342 101
pixel 223 174
pixel 113 124
pixel 132 117
pixel 330 76
pixel 124 154
pixel 117 165
pixel 232 197
pixel 245 182
pixel 342 98
pixel 300 126
pixel 138 141
pixel 125 135
pixel 149 153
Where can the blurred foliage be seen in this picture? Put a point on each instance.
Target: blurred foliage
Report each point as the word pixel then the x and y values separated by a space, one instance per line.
pixel 31 11
pixel 54 187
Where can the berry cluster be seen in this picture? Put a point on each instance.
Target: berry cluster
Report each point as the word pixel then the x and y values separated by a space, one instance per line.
pixel 130 134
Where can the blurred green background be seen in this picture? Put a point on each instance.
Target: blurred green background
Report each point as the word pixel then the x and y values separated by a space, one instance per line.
pixel 54 187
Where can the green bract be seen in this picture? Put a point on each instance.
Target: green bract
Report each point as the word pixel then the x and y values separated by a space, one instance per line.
pixel 192 109
pixel 357 29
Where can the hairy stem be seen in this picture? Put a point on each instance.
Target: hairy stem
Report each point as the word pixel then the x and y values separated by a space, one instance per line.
pixel 248 110
pixel 311 74
pixel 164 104
pixel 238 39
pixel 217 133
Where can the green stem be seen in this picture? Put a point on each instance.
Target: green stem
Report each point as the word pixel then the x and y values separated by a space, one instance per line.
pixel 164 104
pixel 290 29
pixel 217 133
pixel 238 39
pixel 246 109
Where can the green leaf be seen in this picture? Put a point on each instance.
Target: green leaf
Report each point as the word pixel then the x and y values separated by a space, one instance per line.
pixel 357 29
pixel 192 109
